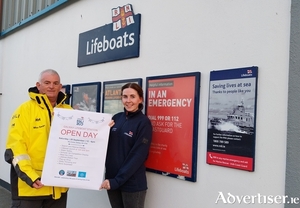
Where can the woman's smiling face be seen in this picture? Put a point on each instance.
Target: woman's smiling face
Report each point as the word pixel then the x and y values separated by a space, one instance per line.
pixel 131 99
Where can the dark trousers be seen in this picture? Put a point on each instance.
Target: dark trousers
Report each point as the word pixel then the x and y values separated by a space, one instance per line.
pixel 45 203
pixel 121 199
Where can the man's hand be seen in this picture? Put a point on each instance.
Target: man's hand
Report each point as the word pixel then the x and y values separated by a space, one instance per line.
pixel 37 184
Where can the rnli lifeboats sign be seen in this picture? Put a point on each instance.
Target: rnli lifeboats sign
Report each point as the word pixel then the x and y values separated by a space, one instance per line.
pixel 232 118
pixel 115 41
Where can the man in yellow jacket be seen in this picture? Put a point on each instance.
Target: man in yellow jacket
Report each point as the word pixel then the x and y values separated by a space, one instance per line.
pixel 27 142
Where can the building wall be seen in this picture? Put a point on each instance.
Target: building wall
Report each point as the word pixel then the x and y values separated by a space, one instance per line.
pixel 176 37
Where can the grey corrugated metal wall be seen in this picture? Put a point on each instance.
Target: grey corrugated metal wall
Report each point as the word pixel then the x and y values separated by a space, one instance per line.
pixel 15 11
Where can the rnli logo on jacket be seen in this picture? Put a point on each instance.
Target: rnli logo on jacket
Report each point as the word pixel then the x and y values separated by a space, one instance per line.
pixel 115 41
pixel 130 133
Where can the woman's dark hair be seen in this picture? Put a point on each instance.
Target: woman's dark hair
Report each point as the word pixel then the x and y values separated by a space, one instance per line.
pixel 134 86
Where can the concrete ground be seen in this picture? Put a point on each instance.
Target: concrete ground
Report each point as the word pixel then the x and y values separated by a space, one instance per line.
pixel 5 198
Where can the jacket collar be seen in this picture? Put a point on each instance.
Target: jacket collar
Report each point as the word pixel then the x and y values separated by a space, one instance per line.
pixel 42 99
pixel 130 114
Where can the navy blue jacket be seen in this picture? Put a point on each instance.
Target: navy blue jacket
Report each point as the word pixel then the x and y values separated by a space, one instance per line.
pixel 128 148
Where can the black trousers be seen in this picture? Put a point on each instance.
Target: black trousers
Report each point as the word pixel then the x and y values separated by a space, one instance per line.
pixel 121 199
pixel 45 203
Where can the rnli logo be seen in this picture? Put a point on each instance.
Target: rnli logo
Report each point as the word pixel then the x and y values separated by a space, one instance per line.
pixel 122 17
pixel 130 133
pixel 248 73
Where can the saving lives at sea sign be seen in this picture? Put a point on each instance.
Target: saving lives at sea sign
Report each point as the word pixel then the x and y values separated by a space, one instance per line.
pixel 232 118
pixel 111 42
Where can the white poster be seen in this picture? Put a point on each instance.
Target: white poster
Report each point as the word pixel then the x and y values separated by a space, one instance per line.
pixel 76 150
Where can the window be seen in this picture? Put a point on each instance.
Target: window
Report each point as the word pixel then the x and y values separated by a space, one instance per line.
pixel 16 13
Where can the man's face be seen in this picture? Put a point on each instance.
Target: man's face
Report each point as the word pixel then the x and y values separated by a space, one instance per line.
pixel 49 85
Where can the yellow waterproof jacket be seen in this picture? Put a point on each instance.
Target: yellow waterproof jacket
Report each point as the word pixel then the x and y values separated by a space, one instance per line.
pixel 26 145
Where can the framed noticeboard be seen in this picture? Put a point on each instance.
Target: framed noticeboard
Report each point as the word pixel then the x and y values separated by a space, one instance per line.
pixel 86 96
pixel 172 105
pixel 66 89
pixel 111 102
pixel 232 118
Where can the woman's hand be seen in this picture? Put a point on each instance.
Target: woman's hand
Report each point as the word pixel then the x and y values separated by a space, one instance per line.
pixel 105 185
pixel 111 123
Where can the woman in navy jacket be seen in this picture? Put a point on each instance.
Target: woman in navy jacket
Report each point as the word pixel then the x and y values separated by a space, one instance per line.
pixel 128 148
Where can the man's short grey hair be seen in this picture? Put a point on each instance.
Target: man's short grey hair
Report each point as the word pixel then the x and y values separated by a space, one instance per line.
pixel 50 71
